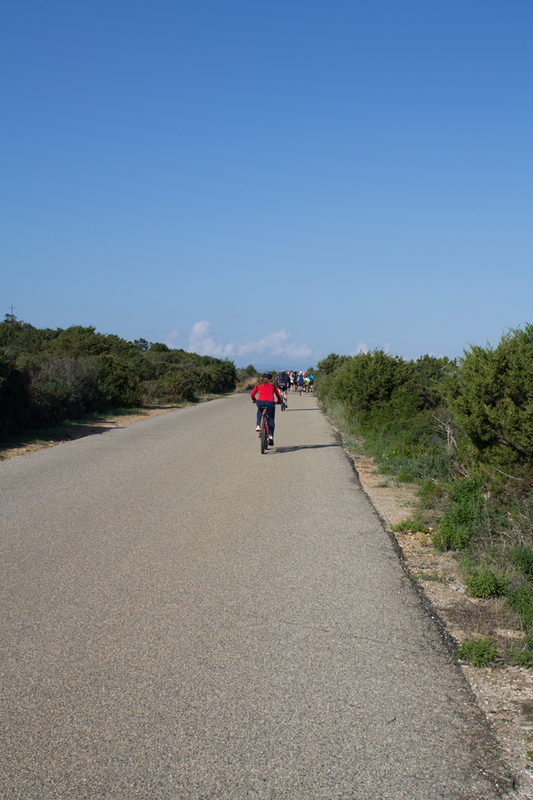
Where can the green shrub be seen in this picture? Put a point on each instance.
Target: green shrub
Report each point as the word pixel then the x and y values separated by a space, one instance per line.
pixel 69 382
pixel 520 600
pixel 407 474
pixel 479 652
pixel 415 523
pixel 467 499
pixel 491 394
pixel 484 583
pixel 522 559
pixel 430 493
pixel 82 341
pixel 457 526
pixel 118 383
pixel 178 386
pixel 412 444
pixel 331 364
pixel 375 387
pixel 428 379
pixel 451 536
pixel 522 657
pixel 48 375
pixel 15 398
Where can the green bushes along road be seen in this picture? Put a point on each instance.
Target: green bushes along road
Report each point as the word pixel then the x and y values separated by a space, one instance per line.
pixel 50 375
pixel 462 430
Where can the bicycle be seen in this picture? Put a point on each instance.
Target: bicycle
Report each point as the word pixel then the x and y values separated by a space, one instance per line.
pixel 264 433
pixel 283 393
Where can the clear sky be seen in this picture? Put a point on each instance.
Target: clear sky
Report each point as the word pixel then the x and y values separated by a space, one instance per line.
pixel 269 181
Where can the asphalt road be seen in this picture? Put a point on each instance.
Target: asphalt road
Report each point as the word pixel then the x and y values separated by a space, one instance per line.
pixel 184 617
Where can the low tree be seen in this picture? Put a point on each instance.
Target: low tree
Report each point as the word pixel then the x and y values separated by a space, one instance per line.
pixel 491 394
pixel 331 363
pixel 376 385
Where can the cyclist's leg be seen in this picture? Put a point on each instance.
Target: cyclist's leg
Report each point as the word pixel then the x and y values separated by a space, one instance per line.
pixel 271 411
pixel 259 410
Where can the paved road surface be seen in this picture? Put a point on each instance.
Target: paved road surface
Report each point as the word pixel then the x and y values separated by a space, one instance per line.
pixel 186 618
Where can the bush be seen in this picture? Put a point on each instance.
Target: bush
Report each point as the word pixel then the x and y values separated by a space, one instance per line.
pixel 522 657
pixel 457 526
pixel 331 363
pixel 118 383
pixel 49 375
pixel 65 386
pixel 522 559
pixel 520 600
pixel 407 474
pixel 375 387
pixel 415 523
pixel 15 399
pixel 491 394
pixel 451 536
pixel 430 493
pixel 484 583
pixel 428 379
pixel 479 652
pixel 178 386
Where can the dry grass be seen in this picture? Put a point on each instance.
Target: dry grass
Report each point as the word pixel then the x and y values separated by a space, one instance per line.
pixel 491 617
pixel 247 384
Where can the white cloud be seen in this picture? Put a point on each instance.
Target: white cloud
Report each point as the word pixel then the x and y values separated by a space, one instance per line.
pixel 202 341
pixel 171 338
pixel 277 346
pixel 361 348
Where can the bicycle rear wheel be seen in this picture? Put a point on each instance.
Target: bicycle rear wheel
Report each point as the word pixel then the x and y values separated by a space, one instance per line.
pixel 264 438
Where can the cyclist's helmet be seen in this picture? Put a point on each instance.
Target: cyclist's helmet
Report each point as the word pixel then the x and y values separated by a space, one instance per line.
pixel 267 375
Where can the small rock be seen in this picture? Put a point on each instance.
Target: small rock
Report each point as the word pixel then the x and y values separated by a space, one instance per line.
pixel 525 718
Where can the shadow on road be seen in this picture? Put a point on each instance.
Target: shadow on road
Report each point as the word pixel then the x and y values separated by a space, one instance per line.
pixel 290 408
pixel 303 447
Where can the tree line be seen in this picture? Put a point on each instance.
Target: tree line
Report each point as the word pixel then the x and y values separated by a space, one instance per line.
pixel 483 401
pixel 49 375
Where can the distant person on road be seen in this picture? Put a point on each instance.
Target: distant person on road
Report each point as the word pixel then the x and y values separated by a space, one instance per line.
pixel 282 382
pixel 300 382
pixel 266 392
pixel 311 380
pixel 293 381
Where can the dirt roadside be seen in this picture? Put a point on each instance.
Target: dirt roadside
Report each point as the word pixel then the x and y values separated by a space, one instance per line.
pixel 503 692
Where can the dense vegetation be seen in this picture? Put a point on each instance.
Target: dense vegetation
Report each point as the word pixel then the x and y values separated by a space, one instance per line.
pixel 464 431
pixel 49 375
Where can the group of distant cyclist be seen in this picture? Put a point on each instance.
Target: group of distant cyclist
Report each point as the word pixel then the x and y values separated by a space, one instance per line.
pixel 270 392
pixel 300 381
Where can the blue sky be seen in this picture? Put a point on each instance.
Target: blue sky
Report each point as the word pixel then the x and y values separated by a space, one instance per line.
pixel 269 182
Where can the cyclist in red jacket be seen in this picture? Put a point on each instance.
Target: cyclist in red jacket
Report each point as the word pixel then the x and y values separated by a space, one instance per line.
pixel 266 393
